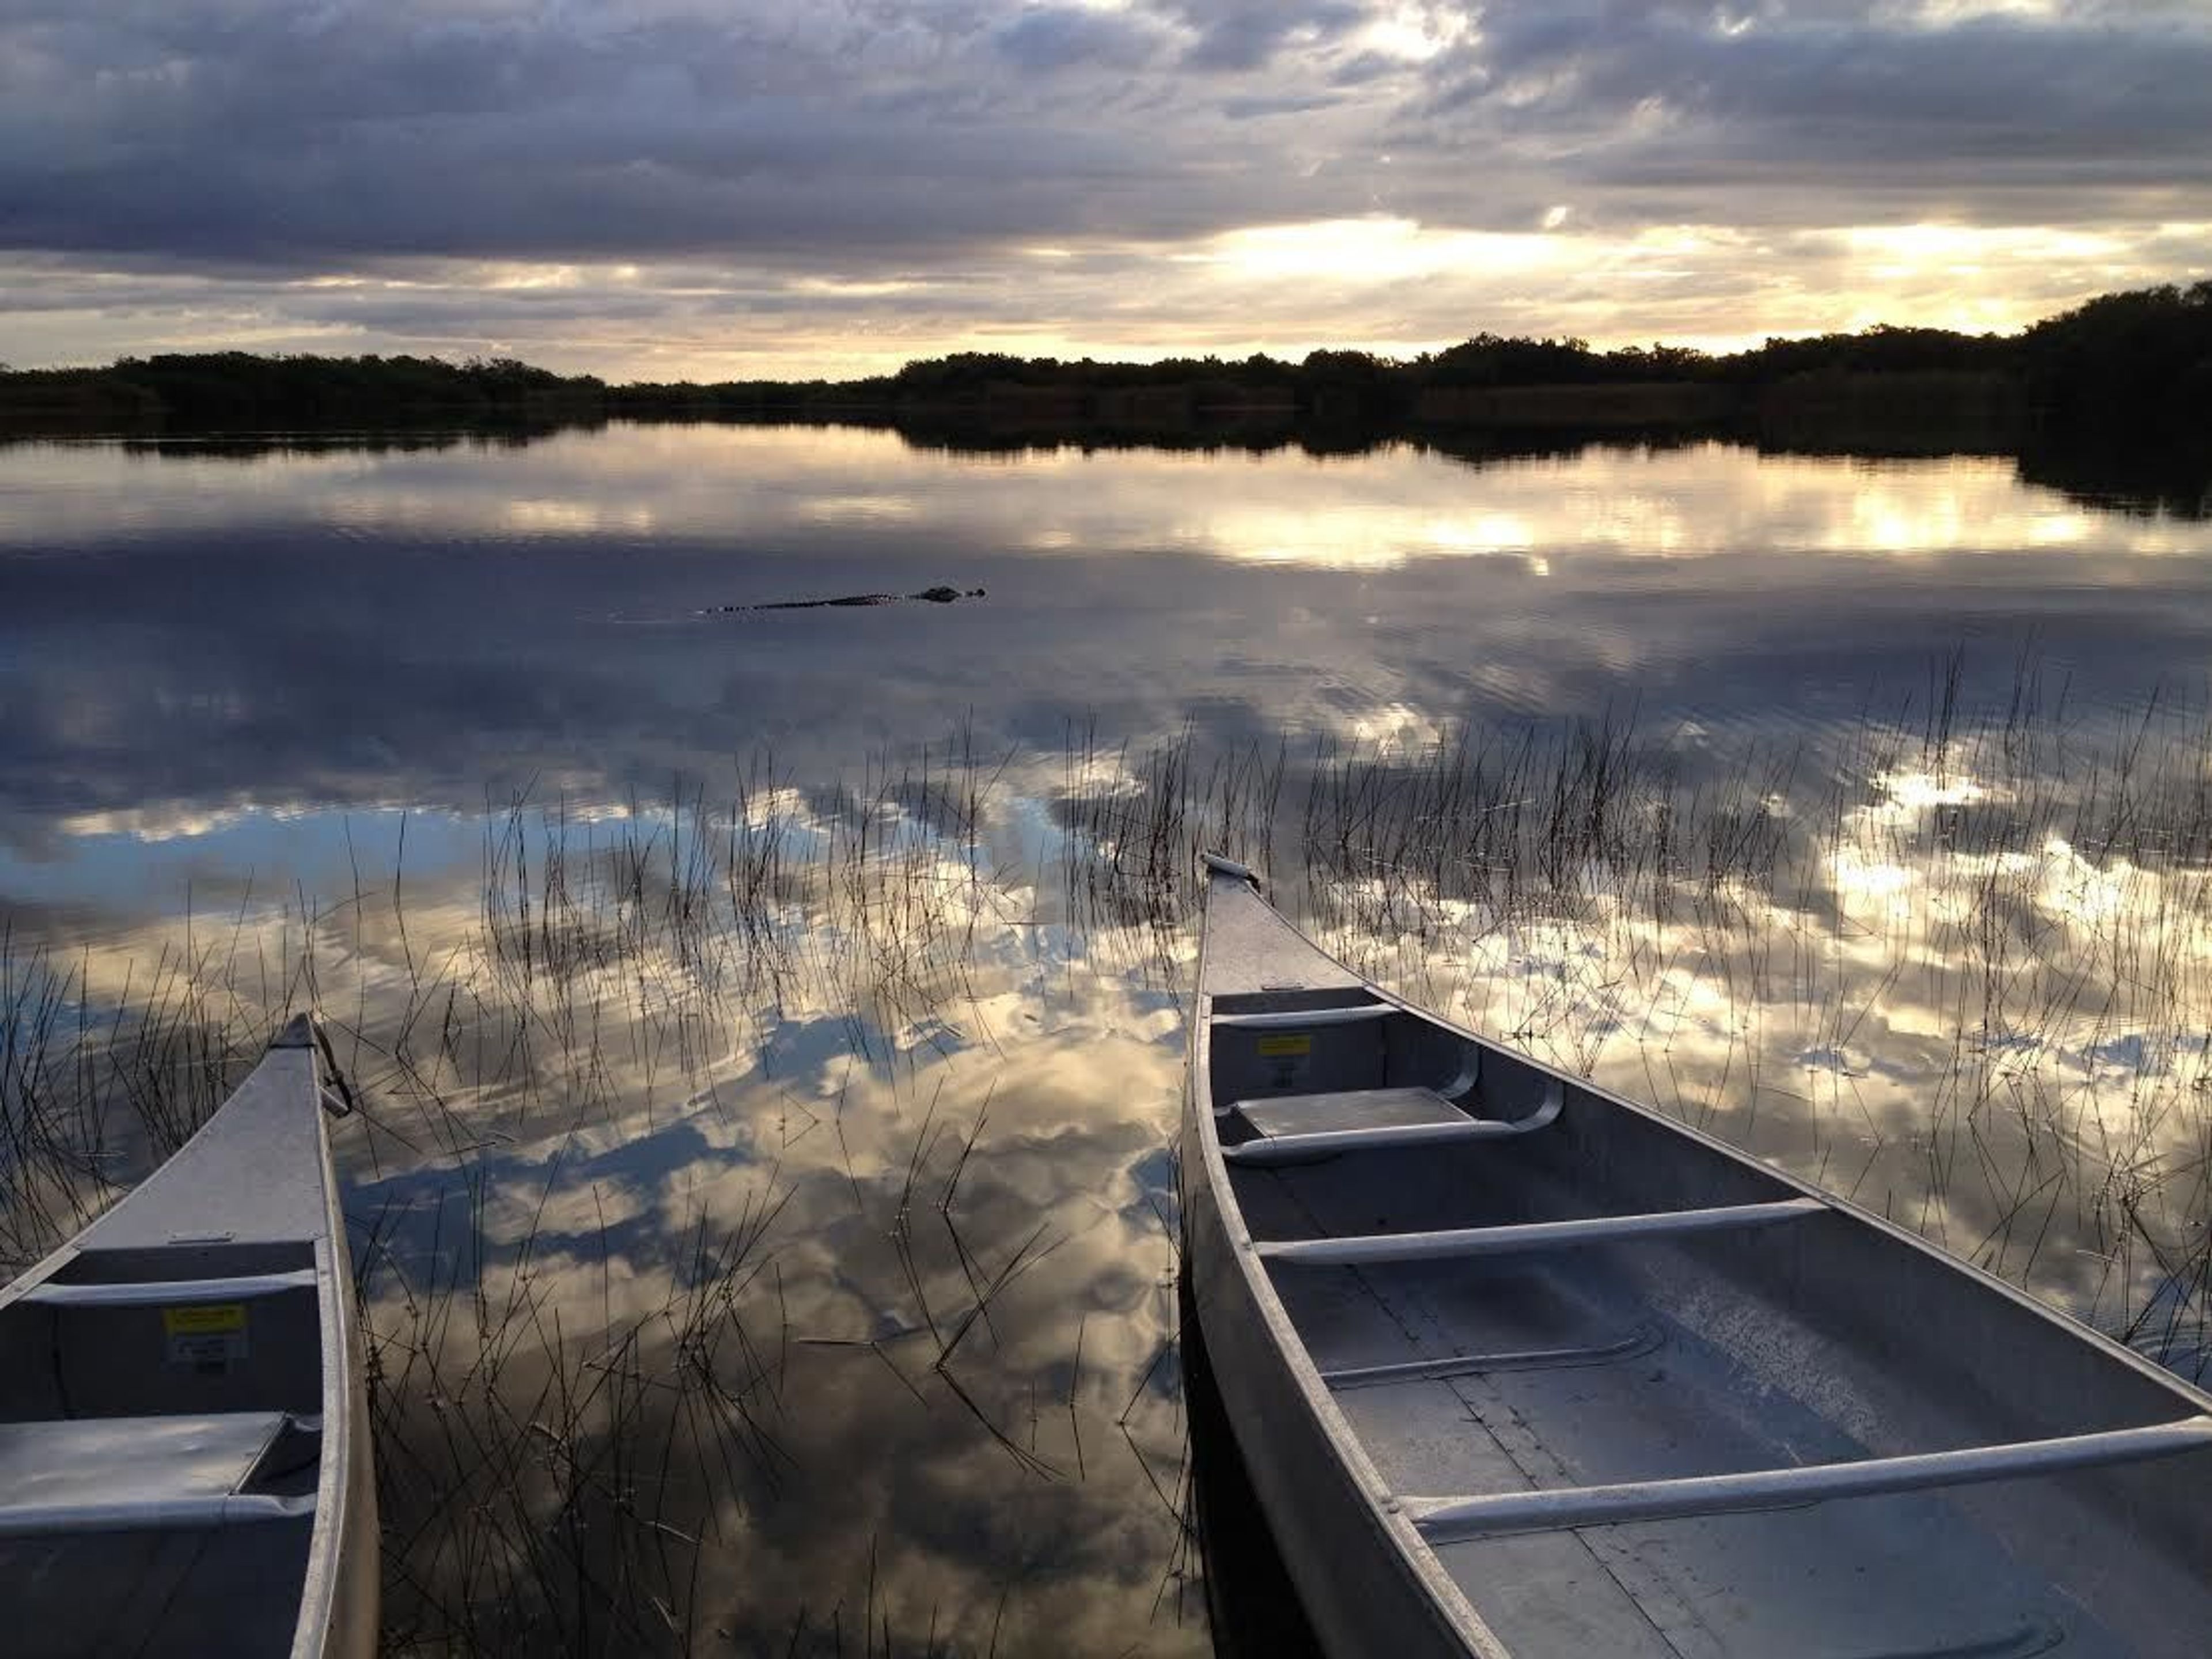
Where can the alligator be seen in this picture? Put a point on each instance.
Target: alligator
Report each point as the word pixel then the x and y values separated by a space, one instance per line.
pixel 938 595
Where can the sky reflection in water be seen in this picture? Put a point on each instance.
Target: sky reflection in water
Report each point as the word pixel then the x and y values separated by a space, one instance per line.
pixel 650 1102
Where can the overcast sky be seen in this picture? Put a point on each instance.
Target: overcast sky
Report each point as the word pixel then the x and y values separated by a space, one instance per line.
pixel 662 188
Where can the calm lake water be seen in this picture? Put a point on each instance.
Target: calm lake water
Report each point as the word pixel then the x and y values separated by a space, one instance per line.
pixel 768 1023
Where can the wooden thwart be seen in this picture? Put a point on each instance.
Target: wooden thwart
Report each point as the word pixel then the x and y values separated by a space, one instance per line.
pixel 1309 1018
pixel 1451 1520
pixel 171 1293
pixel 1466 1242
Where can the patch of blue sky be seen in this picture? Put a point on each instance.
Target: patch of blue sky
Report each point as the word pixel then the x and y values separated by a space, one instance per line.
pixel 149 868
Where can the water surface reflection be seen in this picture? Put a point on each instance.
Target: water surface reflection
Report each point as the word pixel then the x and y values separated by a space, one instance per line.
pixel 769 1027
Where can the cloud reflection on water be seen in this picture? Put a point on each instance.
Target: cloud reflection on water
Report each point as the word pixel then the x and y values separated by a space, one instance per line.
pixel 604 1037
pixel 737 483
pixel 185 638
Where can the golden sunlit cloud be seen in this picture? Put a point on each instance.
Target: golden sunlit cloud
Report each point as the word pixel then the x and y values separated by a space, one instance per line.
pixel 1390 283
pixel 1371 252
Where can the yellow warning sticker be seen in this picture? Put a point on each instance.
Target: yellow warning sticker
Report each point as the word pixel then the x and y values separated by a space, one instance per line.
pixel 209 1336
pixel 207 1319
pixel 1279 1046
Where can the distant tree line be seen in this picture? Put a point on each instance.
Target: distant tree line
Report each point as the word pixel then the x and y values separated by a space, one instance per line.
pixel 2142 358
pixel 239 388
pixel 2135 362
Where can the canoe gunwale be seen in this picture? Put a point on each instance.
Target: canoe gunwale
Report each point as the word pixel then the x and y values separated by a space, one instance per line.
pixel 326 1623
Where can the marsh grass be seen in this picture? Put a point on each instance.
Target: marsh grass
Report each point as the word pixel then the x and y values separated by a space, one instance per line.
pixel 1955 963
pixel 1952 961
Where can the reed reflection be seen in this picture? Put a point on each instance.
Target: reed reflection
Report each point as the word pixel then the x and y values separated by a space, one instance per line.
pixel 764 1202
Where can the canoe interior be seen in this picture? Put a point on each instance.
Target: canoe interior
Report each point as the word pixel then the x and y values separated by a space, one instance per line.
pixel 194 1590
pixel 1822 1341
pixel 161 1593
pixel 177 1403
pixel 115 1361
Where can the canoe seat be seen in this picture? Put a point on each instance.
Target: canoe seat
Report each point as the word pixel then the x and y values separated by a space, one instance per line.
pixel 1291 1128
pixel 131 1473
pixel 1353 1109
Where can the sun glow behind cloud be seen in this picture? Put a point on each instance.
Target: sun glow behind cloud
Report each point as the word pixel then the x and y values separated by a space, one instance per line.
pixel 1385 283
pixel 1370 252
pixel 1416 33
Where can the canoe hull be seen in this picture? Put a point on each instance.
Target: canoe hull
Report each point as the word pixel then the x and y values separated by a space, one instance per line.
pixel 1357 1582
pixel 1579 1304
pixel 185 1464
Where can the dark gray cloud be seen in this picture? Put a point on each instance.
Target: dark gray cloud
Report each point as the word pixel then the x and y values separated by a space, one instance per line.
pixel 386 132
pixel 1242 35
pixel 1050 37
pixel 209 128
pixel 1835 97
pixel 937 143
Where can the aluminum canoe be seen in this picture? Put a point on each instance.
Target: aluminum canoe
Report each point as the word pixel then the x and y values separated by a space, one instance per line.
pixel 1517 1367
pixel 184 1459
